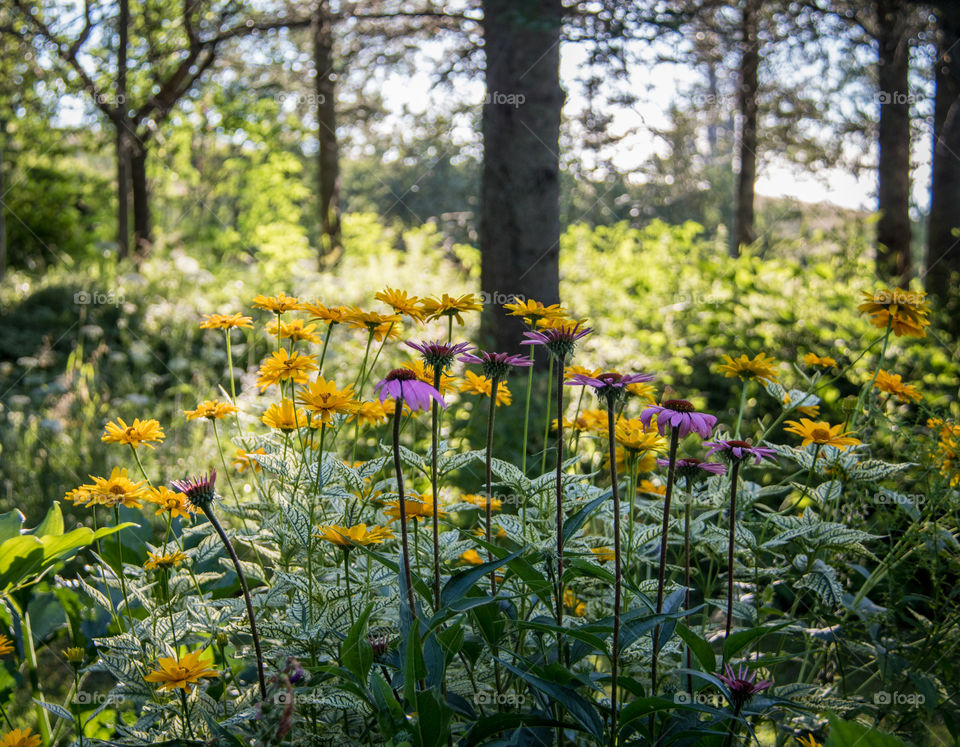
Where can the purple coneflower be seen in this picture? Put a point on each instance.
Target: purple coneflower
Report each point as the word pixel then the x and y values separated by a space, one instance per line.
pixel 200 491
pixel 437 354
pixel 559 340
pixel 495 365
pixel 691 468
pixel 609 384
pixel 402 383
pixel 738 451
pixel 681 415
pixel 743 685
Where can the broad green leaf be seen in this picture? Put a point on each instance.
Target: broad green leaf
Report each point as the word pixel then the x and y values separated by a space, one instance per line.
pixel 739 640
pixel 10 524
pixel 572 525
pixel 460 583
pixel 848 733
pixel 700 648
pixel 52 524
pixel 357 653
pixel 577 706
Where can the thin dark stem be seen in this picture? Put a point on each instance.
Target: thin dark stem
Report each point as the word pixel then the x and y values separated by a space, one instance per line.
pixel 434 485
pixel 686 572
pixel 488 476
pixel 661 574
pixel 214 522
pixel 560 363
pixel 397 414
pixel 617 586
pixel 346 573
pixel 734 475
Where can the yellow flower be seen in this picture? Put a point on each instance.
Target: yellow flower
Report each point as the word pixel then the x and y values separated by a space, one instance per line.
pixel 242 460
pixel 371 413
pixel 74 654
pixel 116 490
pixel 369 320
pixel 571 602
pixel 496 532
pixel 20 738
pixel 226 321
pixel 603 554
pixel 481 500
pixel 323 398
pixel 295 330
pixel 571 371
pixel 759 368
pixel 892 384
pixel 646 486
pixel 387 330
pixel 478 384
pixel 176 504
pixel 6 645
pixel 425 374
pixel 276 304
pixel 284 417
pixel 646 392
pixel 450 306
pixel 164 560
pixel 809 741
pixel 284 366
pixel 558 322
pixel 212 410
pixel 414 510
pixel 180 673
pixel 825 361
pixel 139 432
pixel 533 311
pixel 316 310
pixel 630 433
pixel 472 557
pixel 905 311
pixel 821 433
pixel 811 411
pixel 401 303
pixel 594 421
pixel 359 534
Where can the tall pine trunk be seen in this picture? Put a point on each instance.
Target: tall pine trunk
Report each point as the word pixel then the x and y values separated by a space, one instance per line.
pixel 520 188
pixel 943 247
pixel 142 223
pixel 328 160
pixel 893 168
pixel 744 231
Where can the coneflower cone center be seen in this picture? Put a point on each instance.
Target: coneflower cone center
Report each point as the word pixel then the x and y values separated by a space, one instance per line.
pixel 679 405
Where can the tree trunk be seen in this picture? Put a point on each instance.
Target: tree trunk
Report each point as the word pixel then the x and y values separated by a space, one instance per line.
pixel 122 124
pixel 142 225
pixel 520 188
pixel 893 169
pixel 943 247
pixel 3 204
pixel 744 232
pixel 328 160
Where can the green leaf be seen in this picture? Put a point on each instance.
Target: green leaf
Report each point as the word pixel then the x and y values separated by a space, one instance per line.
pixel 576 705
pixel 57 710
pixel 700 648
pixel 357 653
pixel 460 583
pixel 52 524
pixel 821 579
pixel 739 640
pixel 847 733
pixel 572 525
pixel 10 524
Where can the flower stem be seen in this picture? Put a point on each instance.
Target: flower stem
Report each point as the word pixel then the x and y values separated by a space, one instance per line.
pixel 560 363
pixel 215 523
pixel 688 499
pixel 435 487
pixel 617 587
pixel 488 476
pixel 233 386
pixel 661 573
pixel 346 573
pixel 397 415
pixel 734 477
pixel 743 402
pixel 323 352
